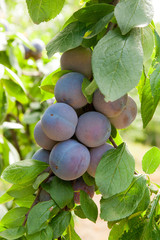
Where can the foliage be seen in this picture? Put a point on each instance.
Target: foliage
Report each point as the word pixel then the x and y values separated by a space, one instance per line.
pixel 126 55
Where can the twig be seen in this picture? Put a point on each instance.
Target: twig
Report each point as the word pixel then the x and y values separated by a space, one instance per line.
pixel 113 142
pixel 59 238
pixel 37 197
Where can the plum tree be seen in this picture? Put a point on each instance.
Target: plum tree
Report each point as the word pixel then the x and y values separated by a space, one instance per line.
pixel 96 155
pixel 93 129
pixel 110 109
pixel 69 159
pixel 78 60
pixel 37 54
pixel 127 116
pixel 59 121
pixel 44 196
pixel 42 155
pixel 41 138
pixel 68 90
pixel 78 185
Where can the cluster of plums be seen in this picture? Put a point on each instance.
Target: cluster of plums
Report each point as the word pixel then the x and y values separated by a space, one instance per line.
pixel 73 133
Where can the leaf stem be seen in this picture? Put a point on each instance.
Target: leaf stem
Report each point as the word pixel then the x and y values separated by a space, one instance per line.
pixel 113 142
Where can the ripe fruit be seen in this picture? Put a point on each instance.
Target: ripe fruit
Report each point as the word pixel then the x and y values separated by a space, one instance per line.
pixel 78 60
pixel 69 159
pixel 93 129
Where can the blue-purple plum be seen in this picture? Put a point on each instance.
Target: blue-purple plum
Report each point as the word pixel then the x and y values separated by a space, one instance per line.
pixel 127 116
pixel 78 60
pixel 42 155
pixel 37 54
pixel 78 185
pixel 41 138
pixel 93 129
pixel 109 109
pixel 59 121
pixel 68 90
pixel 69 159
pixel 96 155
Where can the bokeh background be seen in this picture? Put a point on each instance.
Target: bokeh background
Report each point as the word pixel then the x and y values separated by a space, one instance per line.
pixel 31 72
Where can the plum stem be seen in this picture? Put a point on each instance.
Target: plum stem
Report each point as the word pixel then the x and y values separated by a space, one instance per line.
pixel 37 198
pixel 113 142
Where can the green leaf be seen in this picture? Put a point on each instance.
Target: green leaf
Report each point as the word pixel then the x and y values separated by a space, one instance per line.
pixel 85 84
pixel 99 26
pixel 41 10
pixel 123 204
pixel 19 191
pixel 90 87
pixel 93 13
pixel 88 179
pixel 25 202
pixel 23 171
pixel 70 37
pixel 150 96
pixel 38 216
pixel 45 234
pixel 15 90
pixel 13 233
pixel 144 203
pixel 71 234
pixel 115 171
pixel 122 59
pixel 151 160
pixel 1 71
pixel 14 77
pixel 5 198
pixel 14 217
pixel 133 13
pixel 117 230
pixel 79 212
pixel 147 38
pixel 61 191
pixel 59 223
pixel 157 43
pixel 40 179
pixel 3 103
pixel 88 206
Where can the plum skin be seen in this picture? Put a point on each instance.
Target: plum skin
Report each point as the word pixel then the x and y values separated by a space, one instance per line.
pixel 78 185
pixel 78 60
pixel 69 159
pixel 93 129
pixel 96 155
pixel 59 121
pixel 42 155
pixel 109 109
pixel 41 138
pixel 68 90
pixel 127 116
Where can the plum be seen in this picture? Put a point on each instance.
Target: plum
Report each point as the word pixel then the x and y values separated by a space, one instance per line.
pixel 78 185
pixel 68 90
pixel 110 109
pixel 93 129
pixel 127 116
pixel 41 138
pixel 96 155
pixel 69 159
pixel 59 121
pixel 78 60
pixel 37 54
pixel 42 155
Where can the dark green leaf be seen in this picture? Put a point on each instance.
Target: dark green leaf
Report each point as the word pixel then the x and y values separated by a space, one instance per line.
pixel 88 206
pixel 133 13
pixel 70 37
pixel 41 10
pixel 61 191
pixel 144 203
pixel 19 191
pixel 45 234
pixel 123 204
pixel 14 218
pixel 79 212
pixel 13 233
pixel 89 180
pixel 60 222
pixel 151 160
pixel 38 216
pixel 23 171
pixel 3 103
pixel 115 171
pixel 122 59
